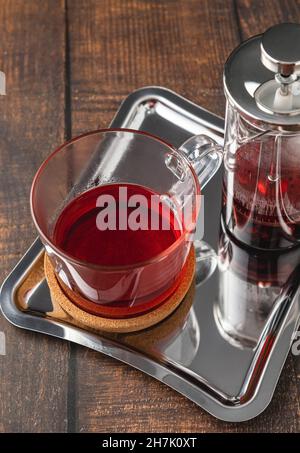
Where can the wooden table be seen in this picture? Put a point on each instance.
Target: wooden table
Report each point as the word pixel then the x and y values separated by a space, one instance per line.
pixel 69 64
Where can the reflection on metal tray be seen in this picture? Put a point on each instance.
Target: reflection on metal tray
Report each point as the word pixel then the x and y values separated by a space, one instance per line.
pixel 226 350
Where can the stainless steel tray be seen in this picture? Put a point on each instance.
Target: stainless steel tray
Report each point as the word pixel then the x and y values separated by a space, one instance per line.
pixel 233 377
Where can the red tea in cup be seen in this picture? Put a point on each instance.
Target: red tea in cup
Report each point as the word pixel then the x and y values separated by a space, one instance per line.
pixel 77 233
pixel 125 242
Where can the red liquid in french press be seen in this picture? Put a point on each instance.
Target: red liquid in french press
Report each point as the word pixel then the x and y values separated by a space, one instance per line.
pixel 266 202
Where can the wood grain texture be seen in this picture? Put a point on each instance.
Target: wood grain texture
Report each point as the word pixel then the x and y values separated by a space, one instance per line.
pixel 118 46
pixel 34 371
pixel 69 65
pixel 255 17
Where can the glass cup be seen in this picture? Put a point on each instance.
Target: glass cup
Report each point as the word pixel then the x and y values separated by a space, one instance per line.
pixel 122 284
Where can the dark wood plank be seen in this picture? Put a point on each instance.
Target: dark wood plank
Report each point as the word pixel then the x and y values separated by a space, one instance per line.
pixel 118 46
pixel 255 17
pixel 33 373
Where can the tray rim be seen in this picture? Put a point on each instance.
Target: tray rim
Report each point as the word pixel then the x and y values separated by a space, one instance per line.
pixel 119 351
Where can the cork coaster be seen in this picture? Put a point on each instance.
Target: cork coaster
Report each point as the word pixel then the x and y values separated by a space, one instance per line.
pixel 82 318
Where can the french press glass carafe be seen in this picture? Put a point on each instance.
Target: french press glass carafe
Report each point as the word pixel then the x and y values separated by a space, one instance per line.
pixel 261 192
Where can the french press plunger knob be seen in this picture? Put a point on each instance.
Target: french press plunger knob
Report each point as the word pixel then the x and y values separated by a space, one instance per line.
pixel 280 53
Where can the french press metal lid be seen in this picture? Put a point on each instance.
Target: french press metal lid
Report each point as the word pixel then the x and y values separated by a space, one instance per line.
pixel 262 78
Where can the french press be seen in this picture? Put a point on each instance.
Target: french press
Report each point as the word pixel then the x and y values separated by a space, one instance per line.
pixel 261 190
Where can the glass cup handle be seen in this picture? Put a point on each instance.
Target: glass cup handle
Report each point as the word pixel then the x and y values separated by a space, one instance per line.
pixel 204 154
